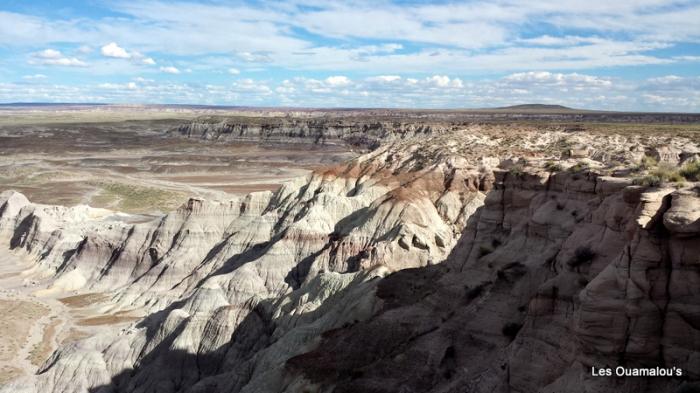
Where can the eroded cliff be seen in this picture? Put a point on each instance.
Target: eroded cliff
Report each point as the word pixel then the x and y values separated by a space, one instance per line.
pixel 485 258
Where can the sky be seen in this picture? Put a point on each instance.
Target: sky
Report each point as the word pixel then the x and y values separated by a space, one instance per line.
pixel 595 54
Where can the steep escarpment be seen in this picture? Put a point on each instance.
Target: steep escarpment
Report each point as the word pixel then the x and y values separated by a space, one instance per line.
pixel 555 275
pixel 362 133
pixel 443 262
pixel 265 264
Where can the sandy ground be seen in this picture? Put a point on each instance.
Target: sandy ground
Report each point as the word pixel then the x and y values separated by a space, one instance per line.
pixel 33 326
pixel 25 319
pixel 132 167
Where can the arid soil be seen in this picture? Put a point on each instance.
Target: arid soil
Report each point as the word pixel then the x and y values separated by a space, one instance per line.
pixel 132 167
pixel 33 324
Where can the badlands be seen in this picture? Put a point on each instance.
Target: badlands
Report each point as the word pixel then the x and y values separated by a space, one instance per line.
pixel 194 249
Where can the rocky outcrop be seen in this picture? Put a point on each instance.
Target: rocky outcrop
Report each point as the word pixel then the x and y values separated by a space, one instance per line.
pixel 556 275
pixel 447 262
pixel 362 133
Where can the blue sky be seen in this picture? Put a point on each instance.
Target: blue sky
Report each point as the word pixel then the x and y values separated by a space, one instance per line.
pixel 597 54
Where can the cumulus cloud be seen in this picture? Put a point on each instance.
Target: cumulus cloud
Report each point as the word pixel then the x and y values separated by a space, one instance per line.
pixel 444 81
pixel 54 57
pixel 148 61
pixel 337 81
pixel 557 79
pixel 49 54
pixel 384 78
pixel 66 61
pixel 170 70
pixel 114 50
pixel 667 93
pixel 234 71
pixel 435 38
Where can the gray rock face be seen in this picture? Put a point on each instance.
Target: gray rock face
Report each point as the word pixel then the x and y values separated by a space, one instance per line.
pixel 556 275
pixel 421 266
pixel 363 133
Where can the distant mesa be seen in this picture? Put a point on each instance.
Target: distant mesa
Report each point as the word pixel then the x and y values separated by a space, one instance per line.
pixel 538 107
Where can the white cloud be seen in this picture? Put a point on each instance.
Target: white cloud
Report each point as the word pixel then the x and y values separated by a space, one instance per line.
pixel 384 78
pixel 665 93
pixel 444 81
pixel 557 79
pixel 442 36
pixel 114 50
pixel 234 71
pixel 337 81
pixel 34 77
pixel 170 70
pixel 55 58
pixel 49 54
pixel 109 86
pixel 66 61
pixel 418 58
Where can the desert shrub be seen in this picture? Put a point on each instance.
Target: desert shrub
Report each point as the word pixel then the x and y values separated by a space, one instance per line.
pixel 511 329
pixel 667 173
pixel 647 181
pixel 647 162
pixel 552 166
pixel 580 167
pixel 691 171
pixel 663 173
pixel 517 170
pixel 582 254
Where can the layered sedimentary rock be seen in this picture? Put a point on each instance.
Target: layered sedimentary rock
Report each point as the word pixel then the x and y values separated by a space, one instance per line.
pixel 455 261
pixel 362 132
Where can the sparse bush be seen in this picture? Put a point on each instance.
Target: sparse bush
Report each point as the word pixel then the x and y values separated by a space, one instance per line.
pixel 580 167
pixel 691 171
pixel 647 181
pixel 552 166
pixel 663 173
pixel 667 173
pixel 517 170
pixel 647 162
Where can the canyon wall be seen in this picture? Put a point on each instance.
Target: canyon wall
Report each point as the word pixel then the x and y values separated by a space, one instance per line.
pixel 362 133
pixel 454 261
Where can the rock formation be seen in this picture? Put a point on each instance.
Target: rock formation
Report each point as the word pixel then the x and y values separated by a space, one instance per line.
pixel 466 259
pixel 363 133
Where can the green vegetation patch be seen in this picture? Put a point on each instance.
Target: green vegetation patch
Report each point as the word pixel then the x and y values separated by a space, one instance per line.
pixel 665 173
pixel 136 199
